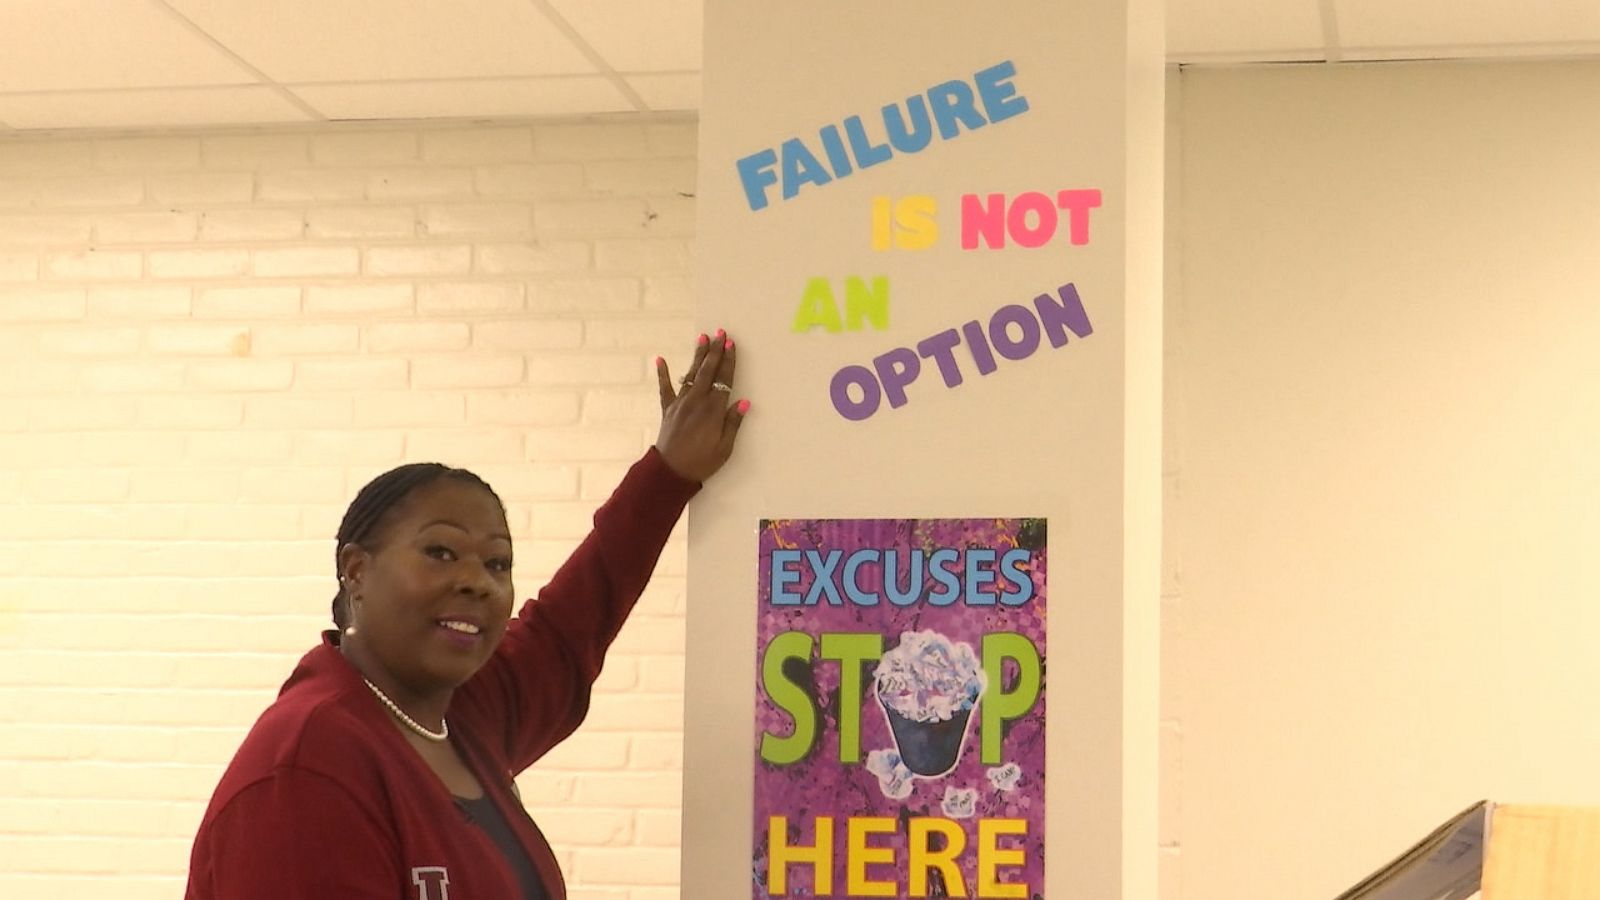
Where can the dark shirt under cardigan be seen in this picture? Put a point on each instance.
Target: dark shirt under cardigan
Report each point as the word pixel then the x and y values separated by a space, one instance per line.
pixel 483 813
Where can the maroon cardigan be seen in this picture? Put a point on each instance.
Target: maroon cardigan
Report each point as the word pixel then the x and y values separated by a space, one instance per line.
pixel 325 800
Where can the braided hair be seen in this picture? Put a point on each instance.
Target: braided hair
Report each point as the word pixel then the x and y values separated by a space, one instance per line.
pixel 374 501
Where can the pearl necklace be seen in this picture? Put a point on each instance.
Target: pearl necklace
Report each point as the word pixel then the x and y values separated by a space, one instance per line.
pixel 436 736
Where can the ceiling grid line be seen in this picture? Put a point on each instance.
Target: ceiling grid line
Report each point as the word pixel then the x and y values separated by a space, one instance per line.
pixel 454 79
pixel 593 56
pixel 90 92
pixel 1525 51
pixel 261 77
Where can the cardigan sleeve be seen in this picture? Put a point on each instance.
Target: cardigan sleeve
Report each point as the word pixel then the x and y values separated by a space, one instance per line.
pixel 294 834
pixel 535 690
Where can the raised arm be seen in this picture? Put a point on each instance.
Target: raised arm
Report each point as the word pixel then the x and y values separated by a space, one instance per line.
pixel 535 689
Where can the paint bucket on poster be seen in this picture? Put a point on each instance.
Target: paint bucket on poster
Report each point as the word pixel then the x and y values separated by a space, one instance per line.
pixel 928 687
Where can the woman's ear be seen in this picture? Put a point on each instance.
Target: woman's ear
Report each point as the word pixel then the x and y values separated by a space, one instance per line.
pixel 353 560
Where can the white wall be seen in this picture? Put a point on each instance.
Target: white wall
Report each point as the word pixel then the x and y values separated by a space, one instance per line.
pixel 1385 462
pixel 208 343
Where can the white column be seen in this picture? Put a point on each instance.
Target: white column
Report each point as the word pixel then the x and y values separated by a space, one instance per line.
pixel 934 229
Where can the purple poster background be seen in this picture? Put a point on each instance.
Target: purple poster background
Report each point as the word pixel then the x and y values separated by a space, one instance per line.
pixel 820 784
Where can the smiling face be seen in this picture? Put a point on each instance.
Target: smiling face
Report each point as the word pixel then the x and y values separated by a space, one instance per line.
pixel 433 586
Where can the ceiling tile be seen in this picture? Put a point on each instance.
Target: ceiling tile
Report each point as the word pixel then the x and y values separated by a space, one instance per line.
pixel 1422 23
pixel 89 44
pixel 67 62
pixel 668 92
pixel 638 35
pixel 157 108
pixel 1202 28
pixel 551 96
pixel 373 40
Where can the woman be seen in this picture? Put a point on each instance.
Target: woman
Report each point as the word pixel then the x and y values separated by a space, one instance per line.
pixel 383 770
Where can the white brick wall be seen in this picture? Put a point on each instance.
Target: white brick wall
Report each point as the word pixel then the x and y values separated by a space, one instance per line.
pixel 208 342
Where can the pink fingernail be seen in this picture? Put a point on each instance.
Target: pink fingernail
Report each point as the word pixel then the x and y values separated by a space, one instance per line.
pixel 728 345
pixel 720 332
pixel 703 340
pixel 659 361
pixel 743 406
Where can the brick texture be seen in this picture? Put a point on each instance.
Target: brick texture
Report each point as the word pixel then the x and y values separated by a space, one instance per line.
pixel 208 343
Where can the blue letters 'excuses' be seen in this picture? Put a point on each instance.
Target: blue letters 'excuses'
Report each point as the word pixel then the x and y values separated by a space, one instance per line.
pixel 940 578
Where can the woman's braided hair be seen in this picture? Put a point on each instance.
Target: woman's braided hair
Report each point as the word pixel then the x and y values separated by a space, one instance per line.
pixel 375 500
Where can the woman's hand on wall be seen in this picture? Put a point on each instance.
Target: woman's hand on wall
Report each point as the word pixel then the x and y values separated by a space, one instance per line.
pixel 698 424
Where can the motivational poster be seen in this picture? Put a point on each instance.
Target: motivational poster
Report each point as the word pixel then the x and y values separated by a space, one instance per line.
pixel 900 710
